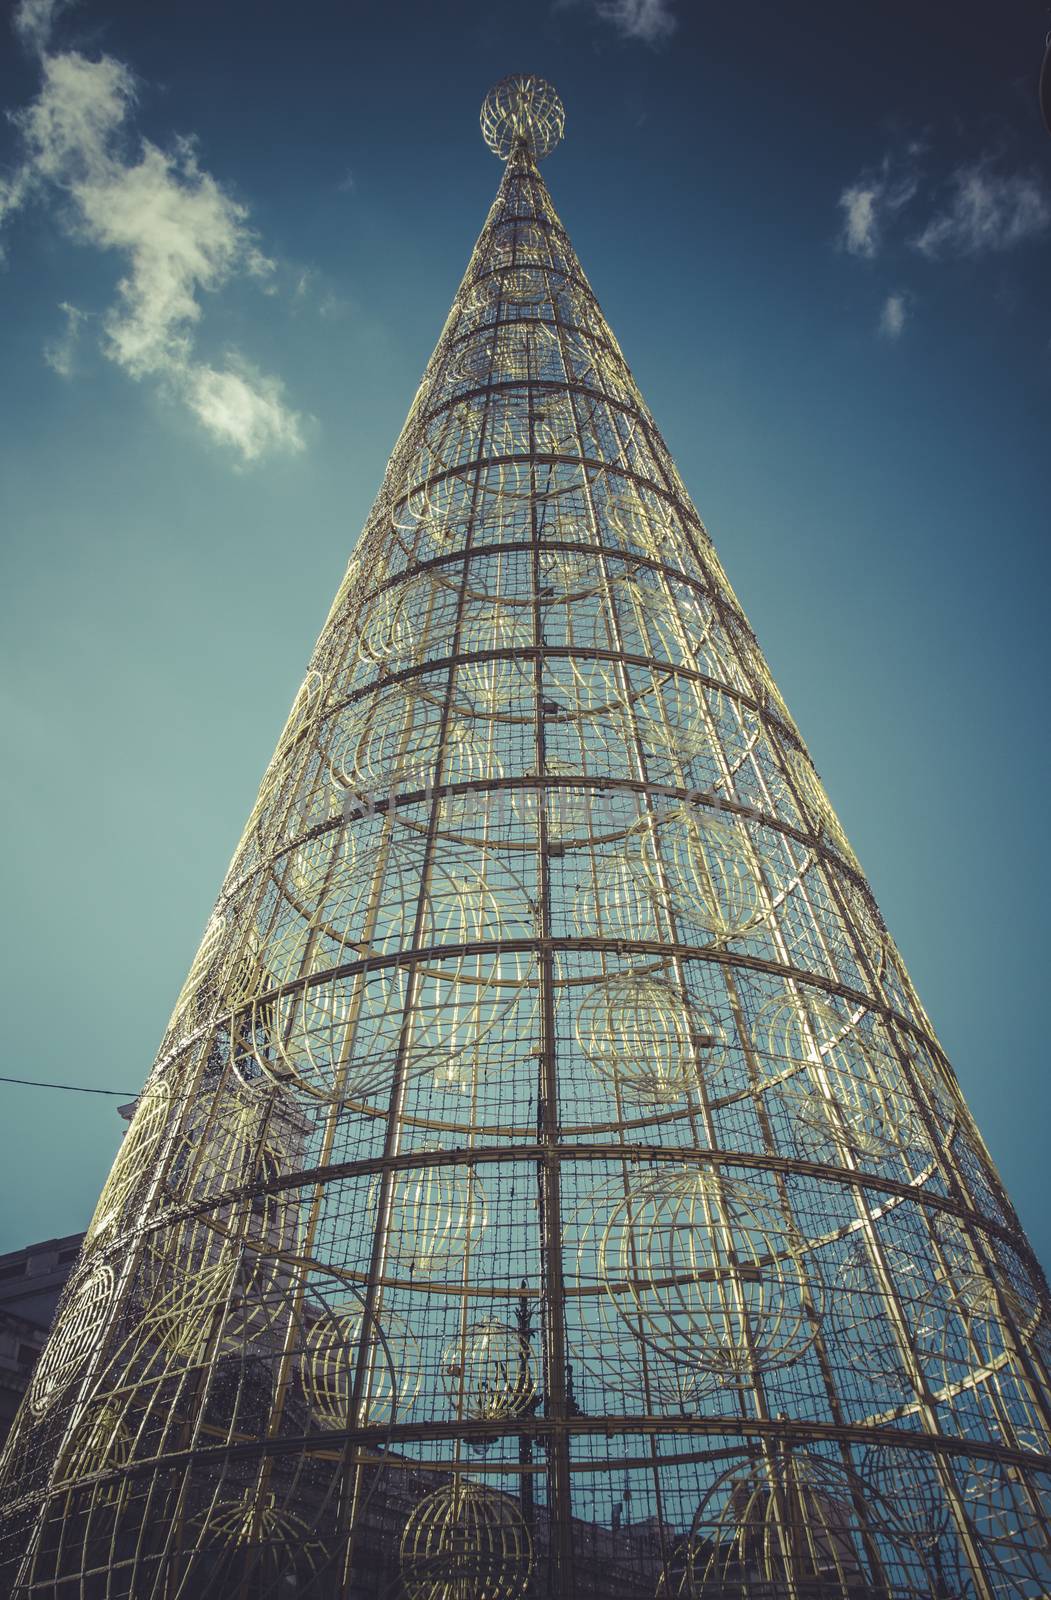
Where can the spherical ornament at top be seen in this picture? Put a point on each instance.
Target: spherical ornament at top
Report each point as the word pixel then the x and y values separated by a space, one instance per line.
pixel 523 108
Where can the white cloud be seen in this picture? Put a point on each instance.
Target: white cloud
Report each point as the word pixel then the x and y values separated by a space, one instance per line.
pixel 178 233
pixel 648 21
pixel 242 408
pixel 34 20
pixel 987 211
pixel 892 317
pixel 59 353
pixel 860 233
pixel 868 203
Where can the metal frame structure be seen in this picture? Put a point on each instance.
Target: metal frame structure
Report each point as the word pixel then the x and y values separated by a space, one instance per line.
pixel 549 1183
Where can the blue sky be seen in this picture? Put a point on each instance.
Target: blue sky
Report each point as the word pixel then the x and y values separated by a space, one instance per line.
pixel 230 237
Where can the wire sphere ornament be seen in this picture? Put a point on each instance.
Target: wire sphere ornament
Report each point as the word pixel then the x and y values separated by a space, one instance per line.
pixel 841 1082
pixel 798 1524
pixel 1008 1510
pixel 523 110
pixel 822 816
pixel 437 1218
pixel 866 1293
pixel 133 1162
pixel 466 1543
pixel 702 868
pixel 639 1034
pixel 77 1333
pixel 247 1546
pixel 487 1373
pixel 908 1501
pixel 335 1035
pixel 706 1273
pixel 392 1372
pixel 99 1444
pixel 494 682
pixel 614 899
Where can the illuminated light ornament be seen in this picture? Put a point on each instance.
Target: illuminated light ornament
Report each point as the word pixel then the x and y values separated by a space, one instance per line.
pixel 640 1036
pixel 393 1366
pixel 578 814
pixel 134 1161
pixel 184 1317
pixel 247 1546
pixel 702 867
pixel 516 286
pixel 672 627
pixel 524 110
pixel 438 1216
pixel 707 1274
pixel 822 818
pixel 791 1526
pixel 487 1372
pixel 962 1336
pixel 465 1542
pixel 451 440
pixel 614 900
pixel 1007 1508
pixel 78 1330
pixel 99 1443
pixel 207 965
pixel 394 629
pixel 501 681
pixel 867 1290
pixel 386 744
pixel 459 1005
pixel 641 524
pixel 514 352
pixel 843 1083
pixel 908 1501
pixel 337 1035
pixel 672 724
pixel 306 708
pixel 309 866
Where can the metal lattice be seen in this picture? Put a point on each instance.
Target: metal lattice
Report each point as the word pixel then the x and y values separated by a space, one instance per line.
pixel 549 1183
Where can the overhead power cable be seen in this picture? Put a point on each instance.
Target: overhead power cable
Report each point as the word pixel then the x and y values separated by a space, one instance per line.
pixel 74 1088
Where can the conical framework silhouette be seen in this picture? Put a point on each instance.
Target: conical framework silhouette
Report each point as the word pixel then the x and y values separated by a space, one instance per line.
pixel 549 1183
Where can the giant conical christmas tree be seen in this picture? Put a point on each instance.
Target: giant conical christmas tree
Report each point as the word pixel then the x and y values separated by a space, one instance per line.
pixel 549 1183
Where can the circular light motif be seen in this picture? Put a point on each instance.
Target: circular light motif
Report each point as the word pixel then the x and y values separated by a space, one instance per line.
pixel 76 1335
pixel 708 1275
pixel 499 681
pixel 487 1373
pixel 466 1543
pixel 844 1084
pixel 437 1217
pixel 815 800
pixel 702 868
pixel 791 1525
pixel 393 1365
pixel 134 1159
pixel 638 1034
pixel 522 110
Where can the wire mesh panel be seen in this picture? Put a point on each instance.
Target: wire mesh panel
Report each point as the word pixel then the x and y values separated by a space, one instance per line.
pixel 549 1182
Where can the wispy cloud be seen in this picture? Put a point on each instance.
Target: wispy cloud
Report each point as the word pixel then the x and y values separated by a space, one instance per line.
pixel 892 317
pixel 179 234
pixel 33 21
pixel 650 22
pixel 870 203
pixel 987 211
pixel 242 408
pixel 60 352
